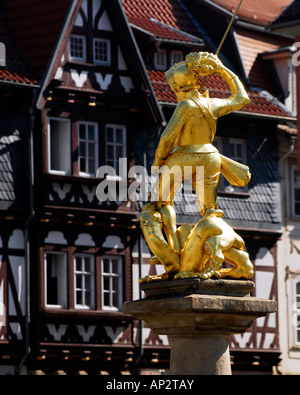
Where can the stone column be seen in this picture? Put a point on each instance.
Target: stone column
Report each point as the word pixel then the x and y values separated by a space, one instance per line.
pixel 199 316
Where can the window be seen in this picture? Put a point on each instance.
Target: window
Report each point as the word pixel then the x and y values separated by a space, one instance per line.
pixel 238 150
pixel 70 280
pixel 84 281
pixel 160 59
pixel 59 146
pixel 296 313
pixel 102 52
pixel 78 48
pixel 116 147
pixel 176 57
pixel 88 149
pixel 295 192
pixel 55 280
pixel 111 283
pixel 235 149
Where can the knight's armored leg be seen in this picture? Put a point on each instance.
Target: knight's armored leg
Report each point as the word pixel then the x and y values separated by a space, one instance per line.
pixel 168 215
pixel 169 183
pixel 151 225
pixel 205 182
pixel 208 198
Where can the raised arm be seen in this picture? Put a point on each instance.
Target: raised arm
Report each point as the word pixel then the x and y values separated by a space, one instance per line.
pixel 204 63
pixel 236 101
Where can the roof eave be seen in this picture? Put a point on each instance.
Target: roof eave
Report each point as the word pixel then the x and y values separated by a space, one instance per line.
pixel 290 28
pixel 265 116
pixel 19 84
pixel 179 42
pixel 218 7
pixel 245 114
pixel 196 43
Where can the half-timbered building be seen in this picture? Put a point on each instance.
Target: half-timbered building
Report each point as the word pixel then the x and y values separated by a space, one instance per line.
pixel 289 273
pixel 93 95
pixel 83 101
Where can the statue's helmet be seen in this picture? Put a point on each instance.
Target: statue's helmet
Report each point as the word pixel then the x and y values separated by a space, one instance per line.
pixel 181 78
pixel 184 76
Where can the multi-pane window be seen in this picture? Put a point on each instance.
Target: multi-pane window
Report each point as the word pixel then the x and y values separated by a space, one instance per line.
pixel 160 59
pixel 77 48
pixel 84 281
pixel 235 149
pixel 176 57
pixel 59 142
pixel 61 268
pixel 111 283
pixel 238 150
pixel 115 147
pixel 55 280
pixel 88 148
pixel 102 52
pixel 295 192
pixel 296 313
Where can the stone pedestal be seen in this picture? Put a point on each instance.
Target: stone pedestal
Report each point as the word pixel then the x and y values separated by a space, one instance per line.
pixel 199 316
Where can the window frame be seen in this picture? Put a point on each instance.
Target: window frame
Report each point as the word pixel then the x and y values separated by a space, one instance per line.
pixel 102 62
pixel 69 143
pixel 84 49
pixel 112 275
pixel 243 149
pixel 84 274
pixel 227 187
pixel 96 148
pixel 296 312
pixel 174 54
pixel 122 172
pixel 63 305
pixel 293 200
pixel 70 302
pixel 157 64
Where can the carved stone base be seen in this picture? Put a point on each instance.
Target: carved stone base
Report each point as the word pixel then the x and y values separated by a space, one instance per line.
pixel 199 316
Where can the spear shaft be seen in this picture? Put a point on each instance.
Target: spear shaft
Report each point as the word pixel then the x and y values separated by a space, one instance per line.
pixel 225 35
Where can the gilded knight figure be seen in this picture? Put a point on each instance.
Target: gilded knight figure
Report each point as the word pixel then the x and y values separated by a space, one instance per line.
pixel 187 142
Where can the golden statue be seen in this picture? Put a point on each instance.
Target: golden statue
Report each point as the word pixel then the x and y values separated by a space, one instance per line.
pixel 200 250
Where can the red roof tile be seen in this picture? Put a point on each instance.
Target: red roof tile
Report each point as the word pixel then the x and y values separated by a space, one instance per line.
pixel 17 77
pixel 34 26
pixel 169 12
pixel 260 103
pixel 160 30
pixel 15 71
pixel 260 12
